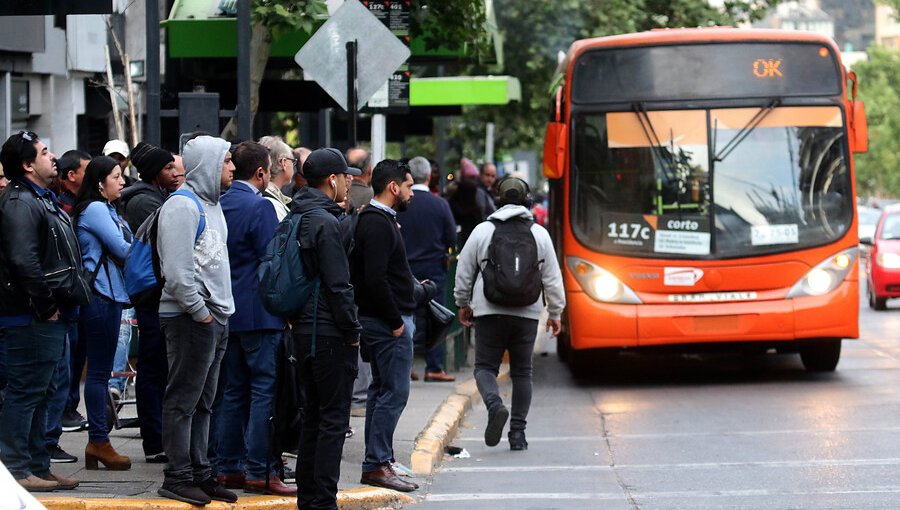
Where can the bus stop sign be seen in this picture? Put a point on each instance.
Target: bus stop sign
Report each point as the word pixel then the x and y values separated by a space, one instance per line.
pixel 324 57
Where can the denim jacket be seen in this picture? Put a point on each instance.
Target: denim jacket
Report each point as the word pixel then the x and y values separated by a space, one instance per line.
pixel 100 229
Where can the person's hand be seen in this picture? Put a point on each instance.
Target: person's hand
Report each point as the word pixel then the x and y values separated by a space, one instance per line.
pixel 207 320
pixel 555 326
pixel 465 316
pixel 54 317
pixel 399 331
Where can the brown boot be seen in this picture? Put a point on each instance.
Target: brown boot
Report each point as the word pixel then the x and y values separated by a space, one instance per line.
pixel 104 453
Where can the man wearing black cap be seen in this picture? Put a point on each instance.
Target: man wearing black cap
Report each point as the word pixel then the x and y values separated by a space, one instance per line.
pixel 159 177
pixel 326 332
pixel 158 173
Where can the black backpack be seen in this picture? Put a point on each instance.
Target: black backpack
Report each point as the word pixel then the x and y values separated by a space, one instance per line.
pixel 512 271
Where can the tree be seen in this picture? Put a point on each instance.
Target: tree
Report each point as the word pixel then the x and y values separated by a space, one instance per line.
pixel 537 30
pixel 879 82
pixel 271 19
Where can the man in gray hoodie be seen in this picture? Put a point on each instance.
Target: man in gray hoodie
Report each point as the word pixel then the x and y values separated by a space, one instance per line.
pixel 194 310
pixel 501 327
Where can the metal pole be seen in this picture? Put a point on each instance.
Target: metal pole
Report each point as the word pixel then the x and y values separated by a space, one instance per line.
pixel 351 93
pixel 489 143
pixel 152 85
pixel 379 137
pixel 244 129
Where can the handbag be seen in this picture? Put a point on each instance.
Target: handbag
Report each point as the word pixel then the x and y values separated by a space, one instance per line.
pixel 439 320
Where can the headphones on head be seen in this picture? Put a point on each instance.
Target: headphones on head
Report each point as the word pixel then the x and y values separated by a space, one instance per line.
pixel 260 175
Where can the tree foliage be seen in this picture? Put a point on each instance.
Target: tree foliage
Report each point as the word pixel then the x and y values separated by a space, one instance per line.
pixel 450 24
pixel 879 83
pixel 536 31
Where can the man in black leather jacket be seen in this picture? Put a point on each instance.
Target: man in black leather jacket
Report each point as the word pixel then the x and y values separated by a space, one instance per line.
pixel 41 285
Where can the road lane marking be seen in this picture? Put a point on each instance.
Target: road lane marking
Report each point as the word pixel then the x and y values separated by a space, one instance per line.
pixel 692 465
pixel 667 435
pixel 888 489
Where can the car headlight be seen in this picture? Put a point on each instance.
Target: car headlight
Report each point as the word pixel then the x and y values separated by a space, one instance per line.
pixel 826 276
pixel 888 260
pixel 600 284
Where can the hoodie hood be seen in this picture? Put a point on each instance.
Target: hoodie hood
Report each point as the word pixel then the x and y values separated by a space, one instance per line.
pixel 204 157
pixel 511 211
pixel 309 198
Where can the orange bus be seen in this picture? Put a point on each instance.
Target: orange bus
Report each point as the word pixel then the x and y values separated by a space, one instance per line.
pixel 702 193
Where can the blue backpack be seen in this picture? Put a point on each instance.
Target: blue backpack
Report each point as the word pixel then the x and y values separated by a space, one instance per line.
pixel 284 284
pixel 143 276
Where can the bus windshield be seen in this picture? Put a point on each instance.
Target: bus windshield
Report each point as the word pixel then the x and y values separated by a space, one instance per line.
pixel 697 184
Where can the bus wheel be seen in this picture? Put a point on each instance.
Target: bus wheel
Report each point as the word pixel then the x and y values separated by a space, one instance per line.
pixel 821 355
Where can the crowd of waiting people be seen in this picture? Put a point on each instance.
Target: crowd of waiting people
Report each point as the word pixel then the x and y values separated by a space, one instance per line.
pixel 207 347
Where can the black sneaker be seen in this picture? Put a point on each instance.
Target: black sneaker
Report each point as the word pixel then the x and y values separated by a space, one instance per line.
pixel 58 455
pixel 517 440
pixel 496 421
pixel 214 490
pixel 73 421
pixel 189 493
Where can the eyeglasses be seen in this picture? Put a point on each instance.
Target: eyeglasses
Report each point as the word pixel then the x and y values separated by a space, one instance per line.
pixel 28 135
pixel 294 161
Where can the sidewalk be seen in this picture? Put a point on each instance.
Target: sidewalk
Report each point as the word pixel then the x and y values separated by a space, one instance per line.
pixel 426 426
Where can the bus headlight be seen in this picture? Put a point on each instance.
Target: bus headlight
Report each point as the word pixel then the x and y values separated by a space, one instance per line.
pixel 888 260
pixel 826 276
pixel 600 284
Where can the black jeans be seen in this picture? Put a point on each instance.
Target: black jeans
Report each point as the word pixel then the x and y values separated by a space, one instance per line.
pixel 195 352
pixel 327 380
pixel 151 385
pixel 493 335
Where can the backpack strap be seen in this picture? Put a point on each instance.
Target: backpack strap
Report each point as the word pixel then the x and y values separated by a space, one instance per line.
pixel 187 193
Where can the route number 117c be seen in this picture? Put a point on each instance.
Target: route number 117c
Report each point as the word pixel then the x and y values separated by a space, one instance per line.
pixel 628 231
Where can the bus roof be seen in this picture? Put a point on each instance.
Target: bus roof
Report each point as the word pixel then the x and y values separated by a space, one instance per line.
pixel 669 36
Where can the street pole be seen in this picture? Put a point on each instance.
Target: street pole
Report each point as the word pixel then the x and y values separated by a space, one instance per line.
pixel 152 85
pixel 244 129
pixel 489 143
pixel 379 137
pixel 351 93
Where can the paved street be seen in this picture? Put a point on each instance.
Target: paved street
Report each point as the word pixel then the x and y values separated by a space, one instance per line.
pixel 711 432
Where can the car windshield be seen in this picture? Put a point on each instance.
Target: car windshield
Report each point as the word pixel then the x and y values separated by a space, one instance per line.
pixel 648 184
pixel 891 227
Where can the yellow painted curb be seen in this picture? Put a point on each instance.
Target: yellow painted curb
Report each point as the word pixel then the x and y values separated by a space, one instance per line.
pixel 444 425
pixel 353 499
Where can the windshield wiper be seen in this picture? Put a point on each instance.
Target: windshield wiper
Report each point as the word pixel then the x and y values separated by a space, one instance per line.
pixel 745 131
pixel 661 153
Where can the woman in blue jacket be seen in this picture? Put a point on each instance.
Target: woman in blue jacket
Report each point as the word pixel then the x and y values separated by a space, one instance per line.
pixel 105 239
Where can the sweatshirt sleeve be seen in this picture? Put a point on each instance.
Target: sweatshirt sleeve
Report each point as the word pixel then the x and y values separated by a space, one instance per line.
pixel 97 220
pixel 467 268
pixel 334 273
pixel 178 222
pixel 551 277
pixel 372 238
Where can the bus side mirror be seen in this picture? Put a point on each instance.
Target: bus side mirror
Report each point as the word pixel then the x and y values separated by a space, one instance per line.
pixel 555 142
pixel 859 126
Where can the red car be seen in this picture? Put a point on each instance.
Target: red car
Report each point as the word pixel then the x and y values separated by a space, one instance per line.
pixel 883 269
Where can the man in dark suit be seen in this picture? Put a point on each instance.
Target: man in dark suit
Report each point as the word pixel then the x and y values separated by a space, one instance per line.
pixel 429 231
pixel 248 369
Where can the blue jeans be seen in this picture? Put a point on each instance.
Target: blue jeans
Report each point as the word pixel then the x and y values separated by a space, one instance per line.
pixel 437 355
pixel 120 362
pixel 391 360
pixel 57 404
pixel 249 387
pixel 32 353
pixel 151 385
pixel 99 330
pixel 77 359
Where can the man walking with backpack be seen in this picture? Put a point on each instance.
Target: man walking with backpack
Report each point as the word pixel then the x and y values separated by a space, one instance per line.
pixel 194 310
pixel 504 269
pixel 326 330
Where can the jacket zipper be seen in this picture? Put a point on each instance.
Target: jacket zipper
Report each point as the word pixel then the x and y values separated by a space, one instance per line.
pixel 56 243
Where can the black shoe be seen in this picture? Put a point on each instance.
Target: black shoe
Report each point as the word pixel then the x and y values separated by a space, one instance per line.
pixel 73 421
pixel 214 490
pixel 156 458
pixel 58 455
pixel 496 421
pixel 186 492
pixel 517 440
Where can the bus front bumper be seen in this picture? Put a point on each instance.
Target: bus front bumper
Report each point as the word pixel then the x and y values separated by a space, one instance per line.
pixel 594 324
